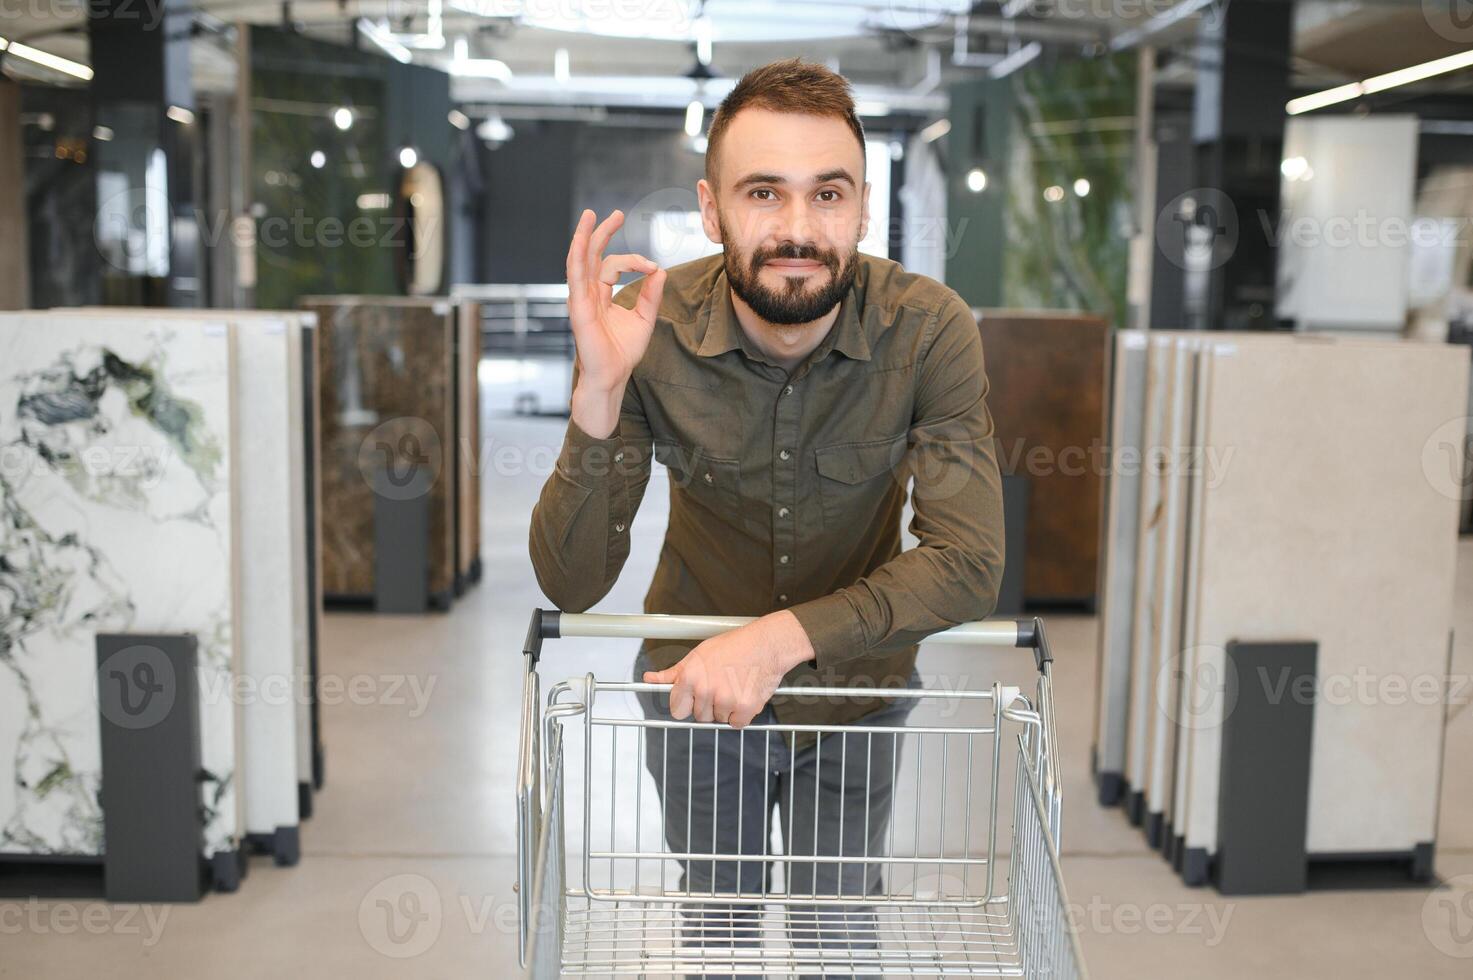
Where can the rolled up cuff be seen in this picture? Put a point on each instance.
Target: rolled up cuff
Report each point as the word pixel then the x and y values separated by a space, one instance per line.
pixel 833 627
pixel 589 462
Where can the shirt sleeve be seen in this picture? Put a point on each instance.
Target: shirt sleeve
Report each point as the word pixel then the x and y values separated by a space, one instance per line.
pixel 953 574
pixel 583 519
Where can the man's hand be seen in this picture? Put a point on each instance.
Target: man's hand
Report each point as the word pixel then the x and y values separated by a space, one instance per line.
pixel 610 339
pixel 729 678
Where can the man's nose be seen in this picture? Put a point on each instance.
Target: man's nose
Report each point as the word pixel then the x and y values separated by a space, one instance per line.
pixel 795 223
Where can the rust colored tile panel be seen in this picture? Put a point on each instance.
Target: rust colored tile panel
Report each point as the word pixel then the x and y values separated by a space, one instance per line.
pixel 1048 372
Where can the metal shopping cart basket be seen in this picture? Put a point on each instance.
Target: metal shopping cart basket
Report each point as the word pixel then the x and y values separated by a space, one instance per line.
pixel 601 895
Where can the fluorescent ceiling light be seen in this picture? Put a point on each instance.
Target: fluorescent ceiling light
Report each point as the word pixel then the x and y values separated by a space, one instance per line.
pixel 703 40
pixel 374 202
pixel 936 130
pixel 459 119
pixel 560 69
pixel 179 114
pixel 47 60
pixel 1014 60
pixel 481 68
pixel 1416 73
pixel 1330 96
pixel 1380 83
pixel 872 108
pixel 694 113
pixel 380 36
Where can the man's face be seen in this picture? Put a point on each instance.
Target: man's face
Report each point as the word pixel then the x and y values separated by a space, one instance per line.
pixel 790 209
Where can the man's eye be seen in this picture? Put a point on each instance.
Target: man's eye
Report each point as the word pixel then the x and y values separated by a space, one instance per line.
pixel 760 191
pixel 829 197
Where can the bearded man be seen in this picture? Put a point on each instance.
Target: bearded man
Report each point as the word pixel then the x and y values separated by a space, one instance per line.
pixel 793 387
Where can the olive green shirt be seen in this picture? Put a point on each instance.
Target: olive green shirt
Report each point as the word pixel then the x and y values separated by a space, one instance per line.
pixel 786 490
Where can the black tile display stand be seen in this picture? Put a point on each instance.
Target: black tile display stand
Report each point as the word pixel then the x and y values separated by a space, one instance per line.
pixel 314 532
pixel 1015 525
pixel 1263 775
pixel 153 824
pixel 401 541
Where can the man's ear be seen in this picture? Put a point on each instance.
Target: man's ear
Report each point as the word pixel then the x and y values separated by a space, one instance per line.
pixel 864 211
pixel 707 198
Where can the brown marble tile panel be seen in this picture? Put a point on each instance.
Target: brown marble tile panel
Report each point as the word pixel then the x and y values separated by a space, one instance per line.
pixel 384 370
pixel 1048 374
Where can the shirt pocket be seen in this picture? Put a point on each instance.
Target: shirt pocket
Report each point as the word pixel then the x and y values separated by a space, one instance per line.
pixel 714 482
pixel 856 479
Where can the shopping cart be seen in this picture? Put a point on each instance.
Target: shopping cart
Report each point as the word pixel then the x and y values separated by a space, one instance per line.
pixel 615 905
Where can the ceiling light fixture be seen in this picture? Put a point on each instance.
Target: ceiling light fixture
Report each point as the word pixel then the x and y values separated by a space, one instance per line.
pixel 1380 83
pixel 47 60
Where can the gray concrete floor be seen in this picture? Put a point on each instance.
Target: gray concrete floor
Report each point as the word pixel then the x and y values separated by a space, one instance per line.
pixel 408 867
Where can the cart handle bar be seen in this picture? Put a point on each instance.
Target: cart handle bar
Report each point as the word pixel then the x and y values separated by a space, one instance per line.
pixel 551 624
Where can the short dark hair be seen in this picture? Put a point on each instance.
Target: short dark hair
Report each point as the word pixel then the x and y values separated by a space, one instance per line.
pixel 793 85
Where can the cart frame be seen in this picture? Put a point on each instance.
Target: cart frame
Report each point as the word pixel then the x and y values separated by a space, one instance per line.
pixel 947 917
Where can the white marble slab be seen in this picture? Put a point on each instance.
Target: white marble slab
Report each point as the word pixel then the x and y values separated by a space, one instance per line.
pixel 305 602
pixel 116 492
pixel 271 419
pixel 1330 524
pixel 1118 549
pixel 1148 525
pixel 1175 470
pixel 271 682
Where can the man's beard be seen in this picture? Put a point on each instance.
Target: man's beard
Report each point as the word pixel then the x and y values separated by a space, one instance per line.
pixel 794 302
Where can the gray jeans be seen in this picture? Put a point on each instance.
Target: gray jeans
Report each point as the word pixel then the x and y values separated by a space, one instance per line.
pixel 719 790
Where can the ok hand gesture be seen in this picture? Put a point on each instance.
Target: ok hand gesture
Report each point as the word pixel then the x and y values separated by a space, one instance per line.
pixel 609 338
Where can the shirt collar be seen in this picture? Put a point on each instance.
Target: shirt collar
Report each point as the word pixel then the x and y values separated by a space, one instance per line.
pixel 724 332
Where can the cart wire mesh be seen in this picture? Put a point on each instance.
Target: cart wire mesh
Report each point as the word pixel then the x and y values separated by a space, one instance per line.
pixel 918 894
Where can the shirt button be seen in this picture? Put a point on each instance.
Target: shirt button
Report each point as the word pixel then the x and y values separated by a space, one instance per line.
pixel 782 512
pixel 619 527
pixel 783 454
pixel 782 559
pixel 619 456
pixel 783 597
pixel 708 478
pixel 788 390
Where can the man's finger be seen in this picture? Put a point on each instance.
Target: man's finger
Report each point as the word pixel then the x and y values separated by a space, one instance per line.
pixel 615 266
pixel 599 240
pixel 741 717
pixel 702 706
pixel 659 676
pixel 648 304
pixel 577 267
pixel 680 701
pixel 578 249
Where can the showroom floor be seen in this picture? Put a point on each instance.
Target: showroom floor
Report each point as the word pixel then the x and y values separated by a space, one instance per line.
pixel 408 865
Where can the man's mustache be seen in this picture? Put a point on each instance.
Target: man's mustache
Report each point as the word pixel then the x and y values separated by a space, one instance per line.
pixel 809 253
